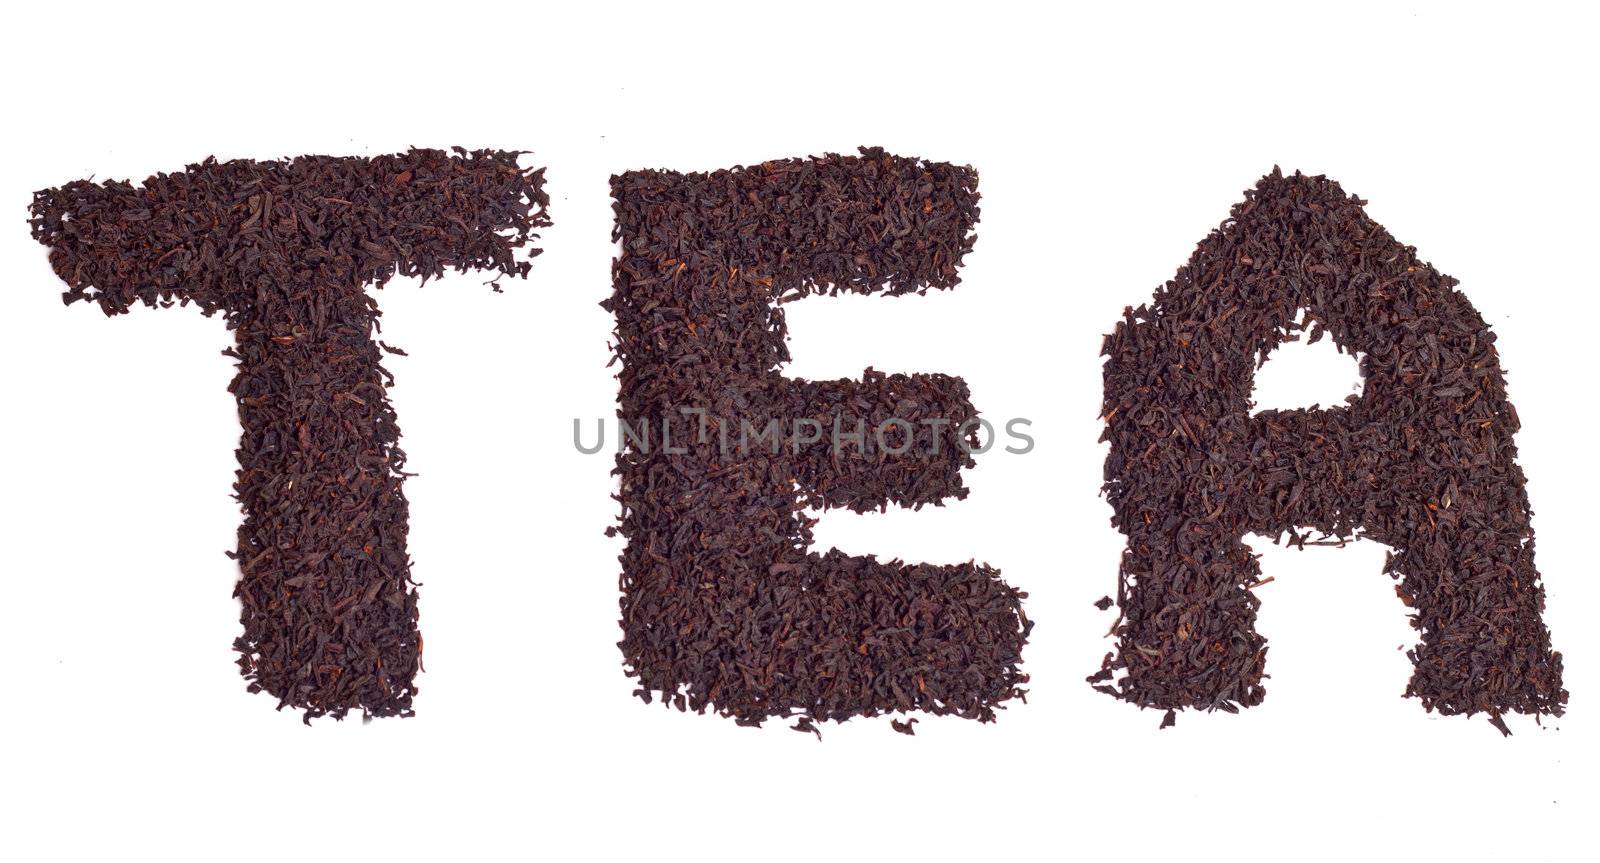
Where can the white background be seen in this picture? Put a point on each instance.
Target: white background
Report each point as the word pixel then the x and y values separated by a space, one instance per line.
pixel 1108 145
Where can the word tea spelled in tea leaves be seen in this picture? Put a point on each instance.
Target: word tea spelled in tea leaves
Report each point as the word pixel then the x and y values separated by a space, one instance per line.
pixel 725 606
pixel 285 250
pixel 1422 461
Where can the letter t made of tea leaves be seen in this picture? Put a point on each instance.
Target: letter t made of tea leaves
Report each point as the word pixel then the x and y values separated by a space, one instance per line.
pixel 285 250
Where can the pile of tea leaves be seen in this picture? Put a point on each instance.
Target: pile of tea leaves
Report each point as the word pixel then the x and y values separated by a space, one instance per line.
pixel 285 250
pixel 725 605
pixel 1422 461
